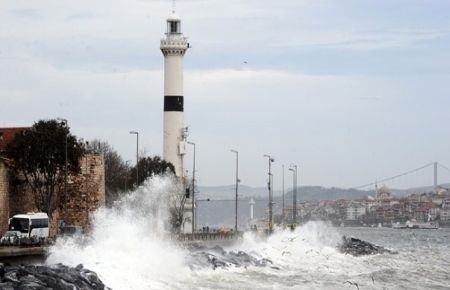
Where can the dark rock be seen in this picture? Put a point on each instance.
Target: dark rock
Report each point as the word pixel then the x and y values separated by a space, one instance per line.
pixel 58 277
pixel 2 272
pixel 216 257
pixel 6 286
pixel 357 247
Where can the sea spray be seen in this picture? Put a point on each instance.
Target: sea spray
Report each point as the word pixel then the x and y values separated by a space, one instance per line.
pixel 128 245
pixel 308 255
pixel 285 247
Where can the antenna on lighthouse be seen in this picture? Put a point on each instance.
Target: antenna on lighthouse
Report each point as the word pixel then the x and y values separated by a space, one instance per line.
pixel 174 6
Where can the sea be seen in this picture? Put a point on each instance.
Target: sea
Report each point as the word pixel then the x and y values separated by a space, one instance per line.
pixel 129 248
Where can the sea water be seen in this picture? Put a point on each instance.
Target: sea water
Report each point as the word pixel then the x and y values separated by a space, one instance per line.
pixel 130 248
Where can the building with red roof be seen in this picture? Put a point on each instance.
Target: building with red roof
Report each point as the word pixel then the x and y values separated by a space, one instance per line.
pixel 8 134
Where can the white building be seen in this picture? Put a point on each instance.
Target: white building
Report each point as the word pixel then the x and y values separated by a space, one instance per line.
pixel 445 214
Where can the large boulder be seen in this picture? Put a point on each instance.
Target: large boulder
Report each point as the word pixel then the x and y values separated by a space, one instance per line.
pixel 40 277
pixel 216 257
pixel 357 247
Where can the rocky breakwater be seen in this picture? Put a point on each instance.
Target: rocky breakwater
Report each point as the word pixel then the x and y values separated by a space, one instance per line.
pixel 357 247
pixel 201 256
pixel 216 257
pixel 40 277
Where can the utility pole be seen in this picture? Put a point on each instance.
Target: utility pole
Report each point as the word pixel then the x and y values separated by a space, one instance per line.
pixel 87 171
pixel 237 182
pixel 193 190
pixel 294 196
pixel 137 156
pixel 282 209
pixel 65 124
pixel 271 159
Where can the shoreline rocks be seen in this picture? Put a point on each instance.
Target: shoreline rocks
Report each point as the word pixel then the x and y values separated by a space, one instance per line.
pixel 216 257
pixel 40 277
pixel 357 247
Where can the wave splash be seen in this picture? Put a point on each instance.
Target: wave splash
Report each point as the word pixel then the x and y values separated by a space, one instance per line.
pixel 128 245
pixel 130 248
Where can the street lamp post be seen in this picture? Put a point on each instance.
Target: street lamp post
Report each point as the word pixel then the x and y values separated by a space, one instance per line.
pixel 294 195
pixel 237 182
pixel 282 196
pixel 193 189
pixel 86 184
pixel 126 176
pixel 65 124
pixel 271 159
pixel 137 155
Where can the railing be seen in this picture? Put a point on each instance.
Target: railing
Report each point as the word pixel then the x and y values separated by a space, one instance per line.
pixel 174 42
pixel 208 236
pixel 15 241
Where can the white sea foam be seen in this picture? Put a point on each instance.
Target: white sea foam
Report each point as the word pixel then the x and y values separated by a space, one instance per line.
pixel 127 246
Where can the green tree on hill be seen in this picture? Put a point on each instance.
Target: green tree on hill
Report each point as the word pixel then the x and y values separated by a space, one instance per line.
pixel 149 166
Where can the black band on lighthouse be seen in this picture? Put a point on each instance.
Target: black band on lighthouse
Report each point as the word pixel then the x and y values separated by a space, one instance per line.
pixel 173 103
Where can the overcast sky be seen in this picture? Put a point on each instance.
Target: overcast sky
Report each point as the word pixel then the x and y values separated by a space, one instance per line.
pixel 351 90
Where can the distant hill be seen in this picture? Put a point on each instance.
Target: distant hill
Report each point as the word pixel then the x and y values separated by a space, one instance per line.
pixel 227 192
pixel 405 192
pixel 304 193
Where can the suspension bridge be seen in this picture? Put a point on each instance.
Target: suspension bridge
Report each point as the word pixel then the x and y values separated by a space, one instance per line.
pixel 440 175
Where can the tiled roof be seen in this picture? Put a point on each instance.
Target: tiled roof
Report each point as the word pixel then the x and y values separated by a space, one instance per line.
pixel 8 134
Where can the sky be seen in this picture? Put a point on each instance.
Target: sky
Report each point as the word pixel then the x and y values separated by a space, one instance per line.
pixel 350 90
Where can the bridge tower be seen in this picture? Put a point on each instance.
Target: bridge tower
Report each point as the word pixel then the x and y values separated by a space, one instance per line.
pixel 435 177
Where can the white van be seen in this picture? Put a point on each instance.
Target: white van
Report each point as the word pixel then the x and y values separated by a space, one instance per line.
pixel 28 225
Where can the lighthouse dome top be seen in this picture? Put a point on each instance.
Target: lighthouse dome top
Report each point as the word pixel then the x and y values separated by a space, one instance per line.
pixel 173 24
pixel 173 17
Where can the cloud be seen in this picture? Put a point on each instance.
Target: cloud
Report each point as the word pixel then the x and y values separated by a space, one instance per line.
pixel 98 64
pixel 25 12
pixel 365 40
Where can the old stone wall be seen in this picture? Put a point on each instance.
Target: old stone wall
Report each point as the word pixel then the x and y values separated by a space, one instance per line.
pixel 4 197
pixel 86 193
pixel 87 190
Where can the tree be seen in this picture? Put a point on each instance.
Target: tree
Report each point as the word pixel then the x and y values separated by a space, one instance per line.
pixel 177 202
pixel 149 166
pixel 117 172
pixel 39 156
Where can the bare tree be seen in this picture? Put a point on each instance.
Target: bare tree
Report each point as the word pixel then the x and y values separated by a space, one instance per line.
pixel 117 172
pixel 177 202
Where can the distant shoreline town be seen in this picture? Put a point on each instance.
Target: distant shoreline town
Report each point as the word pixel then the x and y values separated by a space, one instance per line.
pixel 384 209
pixel 372 208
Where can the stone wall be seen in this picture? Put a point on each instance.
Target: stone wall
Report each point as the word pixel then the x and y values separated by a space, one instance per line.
pixel 86 193
pixel 4 197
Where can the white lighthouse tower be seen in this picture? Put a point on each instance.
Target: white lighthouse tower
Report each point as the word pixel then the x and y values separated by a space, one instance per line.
pixel 173 47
